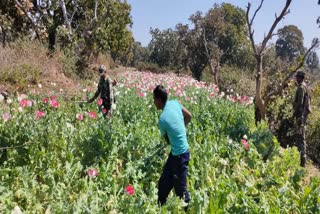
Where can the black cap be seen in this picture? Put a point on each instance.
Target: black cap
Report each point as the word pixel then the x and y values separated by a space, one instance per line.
pixel 300 74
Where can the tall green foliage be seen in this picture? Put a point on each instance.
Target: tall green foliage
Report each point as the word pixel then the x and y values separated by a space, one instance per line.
pixel 89 27
pixel 312 60
pixel 221 34
pixel 289 45
pixel 140 53
pixel 50 172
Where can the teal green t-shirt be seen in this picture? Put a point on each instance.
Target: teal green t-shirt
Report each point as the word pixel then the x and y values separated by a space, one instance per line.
pixel 171 122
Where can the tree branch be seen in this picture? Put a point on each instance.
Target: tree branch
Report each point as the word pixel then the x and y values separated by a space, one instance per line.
pixel 250 31
pixel 284 83
pixel 66 18
pixel 275 34
pixel 283 13
pixel 95 8
pixel 206 44
pixel 94 24
pixel 74 11
pixel 16 147
pixel 255 13
pixel 32 20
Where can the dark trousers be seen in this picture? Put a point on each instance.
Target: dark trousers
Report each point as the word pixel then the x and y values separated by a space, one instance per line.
pixel 301 144
pixel 301 138
pixel 174 175
pixel 106 104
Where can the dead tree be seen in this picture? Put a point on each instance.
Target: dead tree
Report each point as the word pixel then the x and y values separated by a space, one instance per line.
pixel 213 54
pixel 261 102
pixel 259 51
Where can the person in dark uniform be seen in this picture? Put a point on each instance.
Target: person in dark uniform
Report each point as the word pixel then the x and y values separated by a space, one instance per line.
pixel 301 111
pixel 104 90
pixel 172 123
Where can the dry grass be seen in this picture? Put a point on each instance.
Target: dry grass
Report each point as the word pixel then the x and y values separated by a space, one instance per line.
pixel 26 63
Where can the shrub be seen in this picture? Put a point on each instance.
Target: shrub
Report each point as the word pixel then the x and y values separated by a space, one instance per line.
pixel 313 128
pixel 148 66
pixel 264 141
pixel 67 62
pixel 20 74
pixel 282 124
pixel 240 81
pixel 51 171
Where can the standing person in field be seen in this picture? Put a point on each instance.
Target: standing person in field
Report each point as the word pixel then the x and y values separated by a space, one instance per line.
pixel 172 124
pixel 104 90
pixel 301 106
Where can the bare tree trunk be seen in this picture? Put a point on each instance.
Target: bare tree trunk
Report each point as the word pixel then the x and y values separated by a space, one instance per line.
pixel 216 74
pixel 96 56
pixel 95 8
pixel 213 71
pixel 52 38
pixel 214 68
pixel 66 18
pixel 4 37
pixel 259 104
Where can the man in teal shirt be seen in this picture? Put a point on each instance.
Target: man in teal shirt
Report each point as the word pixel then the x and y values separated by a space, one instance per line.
pixel 172 124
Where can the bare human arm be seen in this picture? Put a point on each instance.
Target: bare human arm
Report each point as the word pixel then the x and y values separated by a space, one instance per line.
pixel 186 116
pixel 114 82
pixel 95 95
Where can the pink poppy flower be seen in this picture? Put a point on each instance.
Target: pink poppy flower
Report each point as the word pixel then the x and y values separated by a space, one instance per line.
pixel 140 94
pixel 22 96
pixel 54 103
pixel 92 173
pixel 39 114
pixel 53 97
pixel 92 114
pixel 245 144
pixel 233 99
pixel 6 116
pixel 23 103
pixel 45 100
pixel 89 88
pixel 29 103
pixel 130 190
pixel 104 110
pixel 80 117
pixel 99 101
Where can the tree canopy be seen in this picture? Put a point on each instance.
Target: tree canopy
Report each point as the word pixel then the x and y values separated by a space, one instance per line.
pixel 86 26
pixel 289 45
pixel 217 37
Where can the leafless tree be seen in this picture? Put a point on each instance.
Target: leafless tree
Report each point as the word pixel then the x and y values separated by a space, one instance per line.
pixel 261 102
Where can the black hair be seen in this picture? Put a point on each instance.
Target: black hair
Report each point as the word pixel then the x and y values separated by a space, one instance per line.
pixel 160 93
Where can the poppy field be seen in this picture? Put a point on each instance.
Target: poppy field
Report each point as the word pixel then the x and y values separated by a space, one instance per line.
pixel 59 155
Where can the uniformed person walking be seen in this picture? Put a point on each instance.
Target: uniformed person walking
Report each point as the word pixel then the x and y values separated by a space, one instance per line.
pixel 301 106
pixel 105 91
